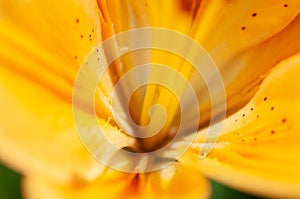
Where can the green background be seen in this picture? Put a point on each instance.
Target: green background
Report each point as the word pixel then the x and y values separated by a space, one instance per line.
pixel 10 187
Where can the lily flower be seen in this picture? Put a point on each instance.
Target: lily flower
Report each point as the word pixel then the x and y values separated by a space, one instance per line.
pixel 255 44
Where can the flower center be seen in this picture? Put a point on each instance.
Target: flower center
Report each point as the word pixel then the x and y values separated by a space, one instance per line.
pixel 151 89
pixel 153 102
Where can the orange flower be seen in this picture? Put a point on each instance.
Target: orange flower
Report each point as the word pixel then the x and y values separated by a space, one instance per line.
pixel 255 44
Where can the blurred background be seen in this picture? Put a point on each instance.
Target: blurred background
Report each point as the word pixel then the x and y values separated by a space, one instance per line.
pixel 10 187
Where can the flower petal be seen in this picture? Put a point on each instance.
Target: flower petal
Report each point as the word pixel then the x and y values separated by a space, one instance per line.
pixel 177 181
pixel 172 182
pixel 245 39
pixel 47 44
pixel 35 127
pixel 37 132
pixel 40 37
pixel 234 31
pixel 258 150
pixel 112 185
pixel 41 48
pixel 226 28
pixel 162 13
pixel 251 65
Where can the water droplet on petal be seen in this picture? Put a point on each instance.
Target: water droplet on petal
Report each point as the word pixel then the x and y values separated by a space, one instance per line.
pixel 202 154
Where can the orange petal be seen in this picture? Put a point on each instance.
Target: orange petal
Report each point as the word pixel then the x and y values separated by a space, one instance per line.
pixel 246 39
pixel 173 14
pixel 113 185
pixel 226 28
pixel 250 65
pixel 258 150
pixel 41 48
pixel 35 129
pixel 38 136
pixel 43 41
pixel 177 181
pixel 173 182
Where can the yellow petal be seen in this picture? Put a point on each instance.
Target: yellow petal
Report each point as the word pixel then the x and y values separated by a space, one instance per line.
pixel 251 65
pixel 237 35
pixel 47 44
pixel 38 135
pixel 35 128
pixel 173 182
pixel 43 37
pixel 41 48
pixel 163 13
pixel 246 39
pixel 114 185
pixel 226 28
pixel 177 181
pixel 258 150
